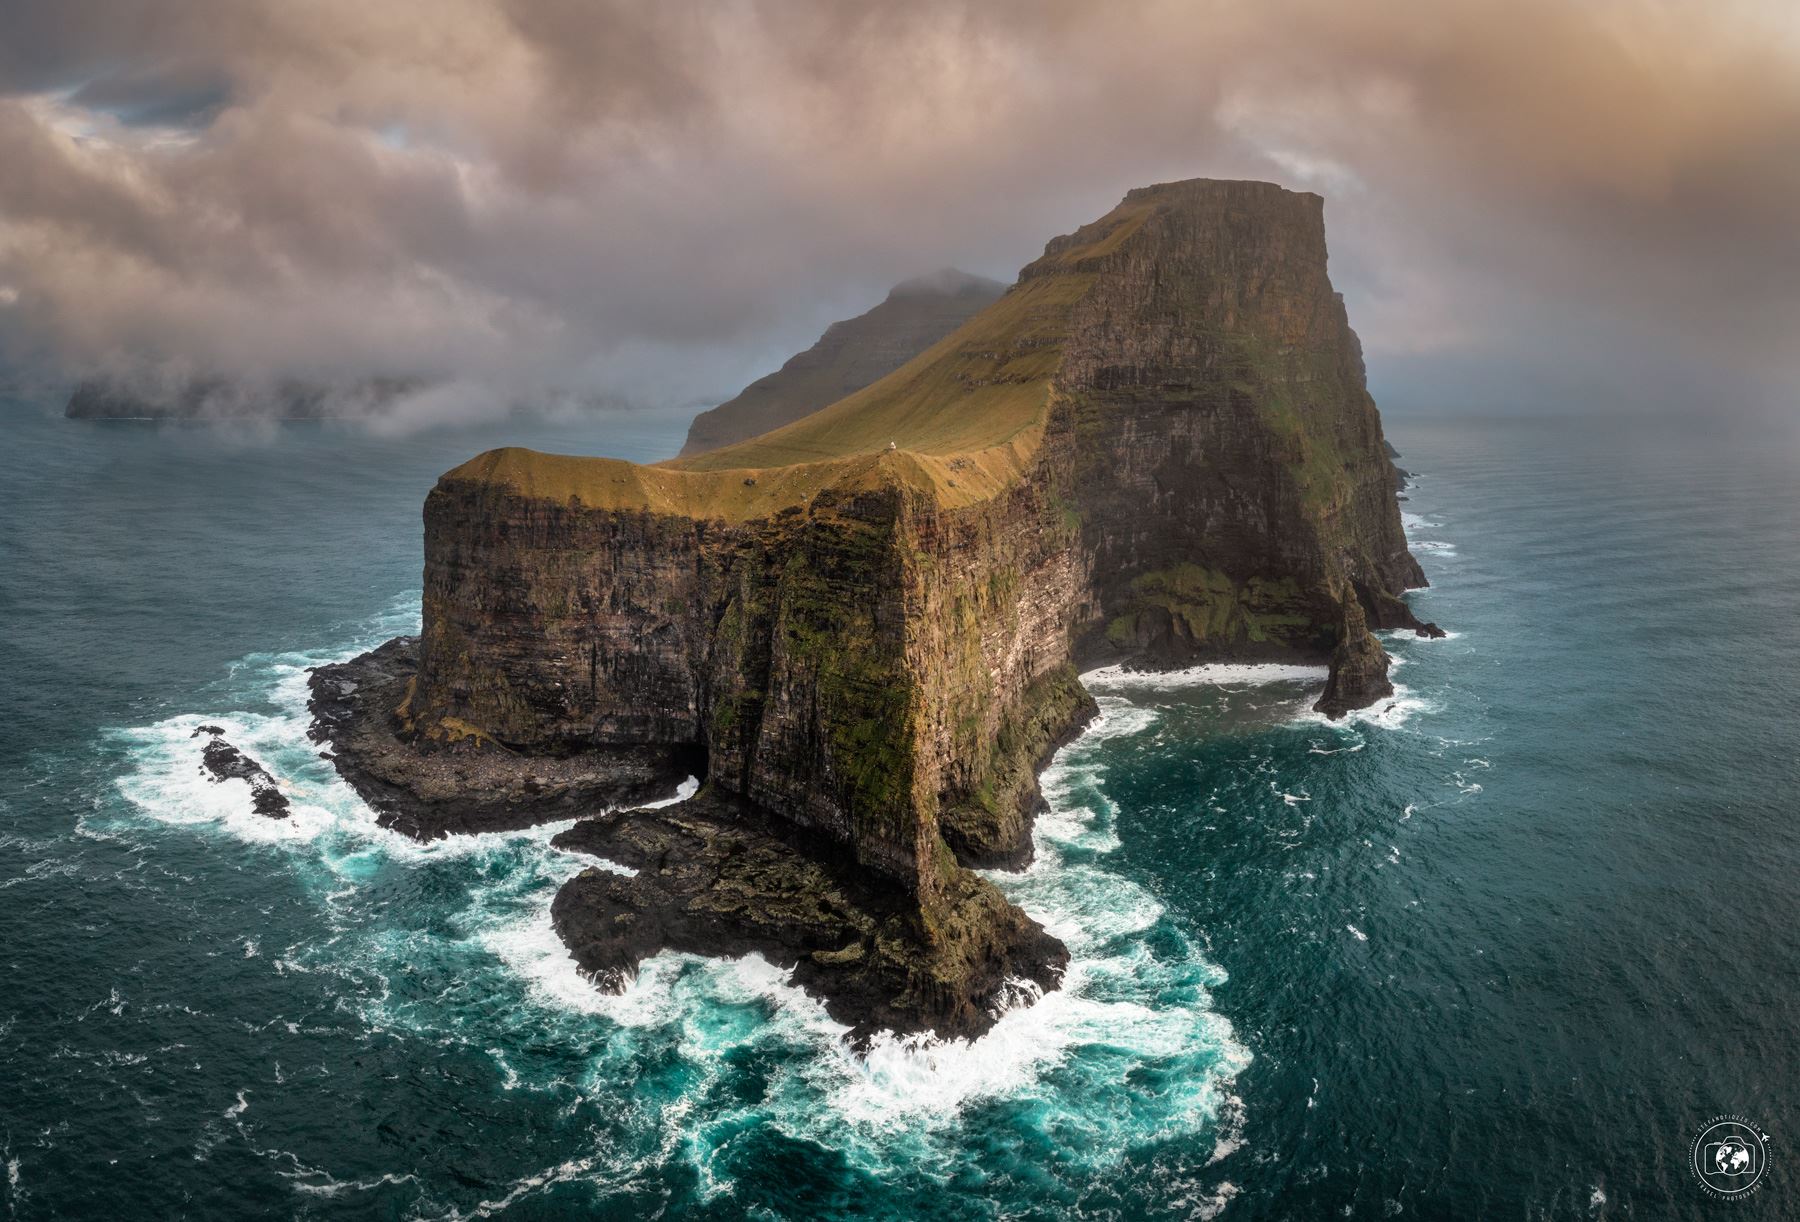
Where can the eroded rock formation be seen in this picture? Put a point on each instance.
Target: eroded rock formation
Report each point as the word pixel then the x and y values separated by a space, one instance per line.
pixel 1157 448
pixel 221 761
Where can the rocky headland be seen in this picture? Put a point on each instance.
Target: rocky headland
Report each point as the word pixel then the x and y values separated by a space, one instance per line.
pixel 463 781
pixel 863 630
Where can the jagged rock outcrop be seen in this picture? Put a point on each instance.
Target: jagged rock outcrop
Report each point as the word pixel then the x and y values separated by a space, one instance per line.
pixel 1359 667
pixel 718 877
pixel 1157 448
pixel 1401 475
pixel 454 778
pixel 221 761
pixel 851 354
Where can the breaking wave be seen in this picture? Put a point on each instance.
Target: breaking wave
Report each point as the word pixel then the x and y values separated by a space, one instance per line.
pixel 452 941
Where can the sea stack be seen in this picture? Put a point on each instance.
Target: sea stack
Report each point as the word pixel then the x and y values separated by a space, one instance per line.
pixel 1157 448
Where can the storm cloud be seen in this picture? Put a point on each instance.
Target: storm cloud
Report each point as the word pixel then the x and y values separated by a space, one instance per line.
pixel 1536 203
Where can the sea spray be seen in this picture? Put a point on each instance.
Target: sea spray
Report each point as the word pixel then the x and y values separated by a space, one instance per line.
pixel 452 940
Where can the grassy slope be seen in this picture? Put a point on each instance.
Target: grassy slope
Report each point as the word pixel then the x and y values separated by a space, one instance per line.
pixel 964 419
pixel 850 355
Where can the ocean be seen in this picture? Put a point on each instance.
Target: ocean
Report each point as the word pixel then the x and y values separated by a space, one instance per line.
pixel 1497 948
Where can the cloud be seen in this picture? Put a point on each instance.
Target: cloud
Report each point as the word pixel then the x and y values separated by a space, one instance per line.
pixel 538 197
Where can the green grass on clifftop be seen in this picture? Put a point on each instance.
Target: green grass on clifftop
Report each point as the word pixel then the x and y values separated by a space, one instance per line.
pixel 961 422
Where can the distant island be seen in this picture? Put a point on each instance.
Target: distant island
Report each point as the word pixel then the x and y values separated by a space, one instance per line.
pixel 863 630
pixel 216 397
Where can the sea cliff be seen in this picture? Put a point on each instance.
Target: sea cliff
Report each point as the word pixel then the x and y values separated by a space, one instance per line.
pixel 1156 448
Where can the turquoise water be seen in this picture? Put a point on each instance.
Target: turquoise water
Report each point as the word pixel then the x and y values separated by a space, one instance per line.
pixel 1497 949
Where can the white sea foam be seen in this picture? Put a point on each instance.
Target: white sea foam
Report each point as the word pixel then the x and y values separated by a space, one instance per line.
pixel 1123 1006
pixel 317 1182
pixel 1227 674
pixel 1406 636
pixel 168 784
pixel 1231 1130
pixel 1114 998
pixel 1213 1204
pixel 1390 713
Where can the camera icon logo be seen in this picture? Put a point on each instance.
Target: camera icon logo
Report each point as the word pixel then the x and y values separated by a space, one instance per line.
pixel 1729 1157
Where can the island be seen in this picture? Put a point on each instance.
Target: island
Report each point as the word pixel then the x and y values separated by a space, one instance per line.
pixel 215 397
pixel 863 631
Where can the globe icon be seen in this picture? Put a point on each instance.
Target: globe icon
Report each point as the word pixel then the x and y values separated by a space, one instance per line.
pixel 1731 1157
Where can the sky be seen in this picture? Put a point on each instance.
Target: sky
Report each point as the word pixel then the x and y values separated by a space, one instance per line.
pixel 1531 205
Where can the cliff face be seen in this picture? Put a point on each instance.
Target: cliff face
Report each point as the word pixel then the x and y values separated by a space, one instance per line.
pixel 1158 445
pixel 851 354
pixel 1234 481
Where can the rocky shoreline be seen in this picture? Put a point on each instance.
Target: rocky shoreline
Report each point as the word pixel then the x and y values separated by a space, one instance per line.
pixel 710 875
pixel 472 785
pixel 714 877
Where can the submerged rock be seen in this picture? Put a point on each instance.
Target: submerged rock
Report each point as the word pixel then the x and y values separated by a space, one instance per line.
pixel 224 762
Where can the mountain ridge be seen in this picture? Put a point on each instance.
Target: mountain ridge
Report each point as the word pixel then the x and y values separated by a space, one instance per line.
pixel 851 353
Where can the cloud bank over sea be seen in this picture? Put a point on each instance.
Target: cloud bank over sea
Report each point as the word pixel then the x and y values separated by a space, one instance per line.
pixel 532 200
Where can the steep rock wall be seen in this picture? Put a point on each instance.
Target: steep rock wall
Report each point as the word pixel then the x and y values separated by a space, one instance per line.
pixel 1234 482
pixel 1183 462
pixel 857 665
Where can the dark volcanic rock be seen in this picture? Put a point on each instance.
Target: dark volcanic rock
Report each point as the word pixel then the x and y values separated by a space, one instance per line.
pixel 226 763
pixel 1401 474
pixel 717 878
pixel 1359 667
pixel 1431 631
pixel 428 789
